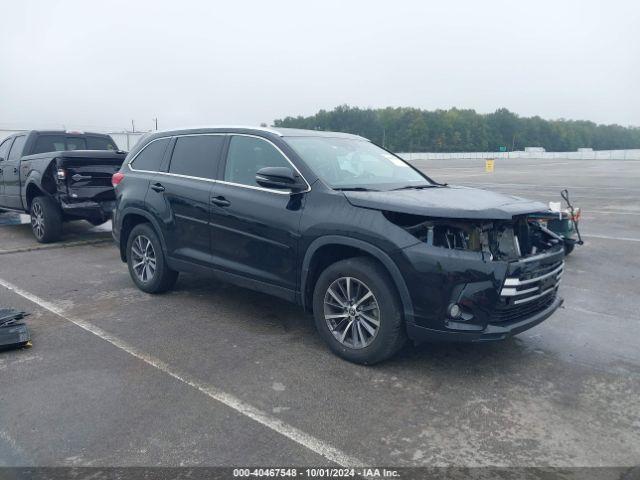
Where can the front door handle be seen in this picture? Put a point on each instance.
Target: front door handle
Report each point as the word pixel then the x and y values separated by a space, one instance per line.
pixel 157 187
pixel 220 201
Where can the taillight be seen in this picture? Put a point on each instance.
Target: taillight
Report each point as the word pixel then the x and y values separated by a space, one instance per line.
pixel 117 178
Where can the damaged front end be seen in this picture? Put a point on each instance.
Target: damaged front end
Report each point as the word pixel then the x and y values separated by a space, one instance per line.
pixel 500 240
pixel 497 277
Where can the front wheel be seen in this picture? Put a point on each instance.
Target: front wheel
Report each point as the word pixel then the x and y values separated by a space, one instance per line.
pixel 568 248
pixel 357 311
pixel 46 219
pixel 147 264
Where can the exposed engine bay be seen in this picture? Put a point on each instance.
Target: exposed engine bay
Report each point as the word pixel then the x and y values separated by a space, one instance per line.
pixel 523 236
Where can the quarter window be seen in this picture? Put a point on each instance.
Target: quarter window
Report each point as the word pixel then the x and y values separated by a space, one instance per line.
pixel 16 148
pixel 247 155
pixel 196 155
pixel 150 158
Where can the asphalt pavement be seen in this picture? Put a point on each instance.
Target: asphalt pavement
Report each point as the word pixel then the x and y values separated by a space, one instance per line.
pixel 212 374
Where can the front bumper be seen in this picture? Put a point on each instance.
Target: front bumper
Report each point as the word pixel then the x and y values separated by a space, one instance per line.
pixel 497 298
pixel 491 332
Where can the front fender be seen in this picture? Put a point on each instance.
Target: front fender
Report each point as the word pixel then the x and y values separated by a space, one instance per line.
pixel 377 253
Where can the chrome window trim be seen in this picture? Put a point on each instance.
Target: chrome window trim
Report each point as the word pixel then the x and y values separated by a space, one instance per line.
pixel 211 180
pixel 308 189
pixel 221 127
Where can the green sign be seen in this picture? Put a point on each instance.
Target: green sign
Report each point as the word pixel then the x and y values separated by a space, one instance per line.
pixel 503 149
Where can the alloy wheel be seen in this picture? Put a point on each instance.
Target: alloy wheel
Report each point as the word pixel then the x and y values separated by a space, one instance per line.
pixel 37 220
pixel 143 258
pixel 352 312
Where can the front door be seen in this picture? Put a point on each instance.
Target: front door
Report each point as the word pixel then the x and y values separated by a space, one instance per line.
pixel 254 230
pixel 184 194
pixel 5 146
pixel 11 174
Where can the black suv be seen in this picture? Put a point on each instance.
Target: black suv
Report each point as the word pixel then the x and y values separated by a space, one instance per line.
pixel 374 248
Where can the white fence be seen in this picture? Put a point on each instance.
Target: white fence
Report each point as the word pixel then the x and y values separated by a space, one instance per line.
pixel 127 140
pixel 124 140
pixel 589 155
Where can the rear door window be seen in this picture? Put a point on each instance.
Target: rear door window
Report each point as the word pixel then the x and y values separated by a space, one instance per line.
pixel 16 148
pixel 197 155
pixel 4 149
pixel 150 158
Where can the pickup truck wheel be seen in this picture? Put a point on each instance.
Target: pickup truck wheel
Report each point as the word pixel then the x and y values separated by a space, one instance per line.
pixel 357 311
pixel 46 219
pixel 147 265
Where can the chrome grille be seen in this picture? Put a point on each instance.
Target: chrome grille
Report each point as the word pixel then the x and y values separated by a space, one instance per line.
pixel 528 293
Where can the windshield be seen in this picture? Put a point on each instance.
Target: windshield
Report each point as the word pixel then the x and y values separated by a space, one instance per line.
pixel 355 164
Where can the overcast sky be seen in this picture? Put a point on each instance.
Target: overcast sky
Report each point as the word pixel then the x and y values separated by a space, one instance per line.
pixel 85 64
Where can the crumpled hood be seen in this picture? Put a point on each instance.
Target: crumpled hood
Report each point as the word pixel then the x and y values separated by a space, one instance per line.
pixel 449 202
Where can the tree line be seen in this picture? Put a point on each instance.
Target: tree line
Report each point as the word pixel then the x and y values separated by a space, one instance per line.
pixel 405 129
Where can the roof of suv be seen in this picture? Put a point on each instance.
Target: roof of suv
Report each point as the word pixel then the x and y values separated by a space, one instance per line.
pixel 281 132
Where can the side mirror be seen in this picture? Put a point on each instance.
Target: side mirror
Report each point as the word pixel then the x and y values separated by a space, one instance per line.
pixel 282 178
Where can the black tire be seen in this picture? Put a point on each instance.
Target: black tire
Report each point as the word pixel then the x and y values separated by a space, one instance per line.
pixel 46 219
pixel 96 222
pixel 568 248
pixel 162 278
pixel 391 334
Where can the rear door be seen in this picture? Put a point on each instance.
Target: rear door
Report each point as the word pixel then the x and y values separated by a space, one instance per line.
pixel 11 174
pixel 184 193
pixel 5 146
pixel 254 230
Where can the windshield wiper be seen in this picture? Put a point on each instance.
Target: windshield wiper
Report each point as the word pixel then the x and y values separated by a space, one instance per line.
pixel 355 189
pixel 414 187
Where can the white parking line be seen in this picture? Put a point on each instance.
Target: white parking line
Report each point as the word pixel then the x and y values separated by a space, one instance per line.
pixel 606 237
pixel 292 433
pixel 612 212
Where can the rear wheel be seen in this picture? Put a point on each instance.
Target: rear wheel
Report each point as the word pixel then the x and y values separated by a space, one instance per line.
pixel 357 311
pixel 147 264
pixel 46 219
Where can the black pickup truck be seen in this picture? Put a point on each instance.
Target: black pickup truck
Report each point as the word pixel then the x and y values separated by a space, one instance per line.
pixel 57 176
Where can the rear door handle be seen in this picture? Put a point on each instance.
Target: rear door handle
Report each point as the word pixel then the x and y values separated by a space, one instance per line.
pixel 157 187
pixel 220 201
